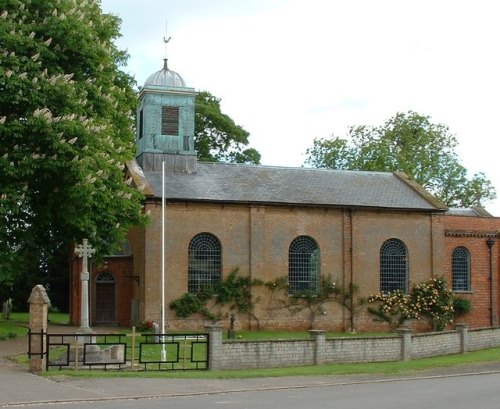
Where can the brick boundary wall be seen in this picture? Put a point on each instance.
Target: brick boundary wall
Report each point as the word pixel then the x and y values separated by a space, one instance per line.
pixel 248 354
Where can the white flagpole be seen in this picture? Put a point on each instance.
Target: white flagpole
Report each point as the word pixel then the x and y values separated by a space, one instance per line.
pixel 163 352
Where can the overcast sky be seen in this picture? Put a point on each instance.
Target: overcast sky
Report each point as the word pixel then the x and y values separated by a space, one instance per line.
pixel 289 71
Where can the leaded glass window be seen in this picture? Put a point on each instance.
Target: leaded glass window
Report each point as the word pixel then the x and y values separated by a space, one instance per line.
pixel 393 266
pixel 204 269
pixel 105 277
pixel 304 265
pixel 460 269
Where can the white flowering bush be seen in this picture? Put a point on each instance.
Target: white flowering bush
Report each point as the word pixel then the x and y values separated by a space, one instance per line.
pixel 393 308
pixel 430 300
pixel 433 300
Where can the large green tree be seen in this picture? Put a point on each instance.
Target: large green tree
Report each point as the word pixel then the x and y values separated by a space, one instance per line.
pixel 410 143
pixel 217 137
pixel 66 130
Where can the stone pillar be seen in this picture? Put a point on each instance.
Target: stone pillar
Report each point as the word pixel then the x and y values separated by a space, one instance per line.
pixel 39 307
pixel 463 330
pixel 406 350
pixel 319 338
pixel 214 346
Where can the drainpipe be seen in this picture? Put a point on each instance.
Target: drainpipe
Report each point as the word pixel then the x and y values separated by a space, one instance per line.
pixel 490 243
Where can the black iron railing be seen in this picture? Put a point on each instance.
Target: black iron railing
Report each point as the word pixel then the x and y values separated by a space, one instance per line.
pixel 134 351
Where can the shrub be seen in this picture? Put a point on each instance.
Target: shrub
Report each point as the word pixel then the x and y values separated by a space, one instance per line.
pixel 461 306
pixel 187 305
pixel 233 293
pixel 393 308
pixel 146 326
pixel 431 299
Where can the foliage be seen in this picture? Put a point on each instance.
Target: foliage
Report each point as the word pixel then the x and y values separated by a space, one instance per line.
pixel 314 301
pixel 146 326
pixel 236 292
pixel 66 131
pixel 8 335
pixel 346 297
pixel 431 300
pixel 461 306
pixel 278 297
pixel 232 293
pixel 409 143
pixel 393 308
pixel 217 137
pixel 189 304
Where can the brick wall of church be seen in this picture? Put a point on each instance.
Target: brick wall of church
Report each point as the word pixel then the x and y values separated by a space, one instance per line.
pixel 121 269
pixel 256 240
pixel 472 233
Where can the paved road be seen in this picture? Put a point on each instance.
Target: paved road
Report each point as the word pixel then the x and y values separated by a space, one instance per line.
pixel 459 384
pixel 458 392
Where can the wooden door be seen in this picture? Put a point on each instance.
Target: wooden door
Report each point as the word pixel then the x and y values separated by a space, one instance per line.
pixel 105 299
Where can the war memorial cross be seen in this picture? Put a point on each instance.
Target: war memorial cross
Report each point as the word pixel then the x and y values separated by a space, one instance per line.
pixel 84 251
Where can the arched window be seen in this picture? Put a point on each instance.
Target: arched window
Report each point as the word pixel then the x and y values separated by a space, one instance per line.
pixel 105 278
pixel 460 269
pixel 204 269
pixel 393 266
pixel 303 265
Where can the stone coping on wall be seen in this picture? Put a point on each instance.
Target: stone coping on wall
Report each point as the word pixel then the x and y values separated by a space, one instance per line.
pixel 319 349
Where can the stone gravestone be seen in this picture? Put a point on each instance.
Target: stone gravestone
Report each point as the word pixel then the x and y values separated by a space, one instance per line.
pixel 7 309
pixel 156 331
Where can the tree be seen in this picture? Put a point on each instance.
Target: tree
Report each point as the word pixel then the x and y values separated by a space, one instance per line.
pixel 66 130
pixel 217 137
pixel 409 143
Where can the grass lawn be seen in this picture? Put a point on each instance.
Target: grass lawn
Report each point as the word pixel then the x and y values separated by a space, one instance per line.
pixel 384 368
pixel 17 325
pixel 19 322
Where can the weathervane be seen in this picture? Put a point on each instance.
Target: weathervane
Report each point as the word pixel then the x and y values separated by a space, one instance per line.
pixel 166 39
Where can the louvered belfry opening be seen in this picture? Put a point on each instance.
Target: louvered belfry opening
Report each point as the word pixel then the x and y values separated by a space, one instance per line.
pixel 169 120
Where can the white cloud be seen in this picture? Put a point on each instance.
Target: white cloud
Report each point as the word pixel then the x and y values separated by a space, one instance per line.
pixel 289 71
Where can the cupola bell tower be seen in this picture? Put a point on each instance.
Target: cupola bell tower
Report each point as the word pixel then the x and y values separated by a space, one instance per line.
pixel 165 123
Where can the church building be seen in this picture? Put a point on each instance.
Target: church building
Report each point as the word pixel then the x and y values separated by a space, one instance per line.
pixel 379 231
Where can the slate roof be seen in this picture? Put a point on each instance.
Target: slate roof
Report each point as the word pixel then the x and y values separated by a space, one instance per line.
pixel 230 183
pixel 469 212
